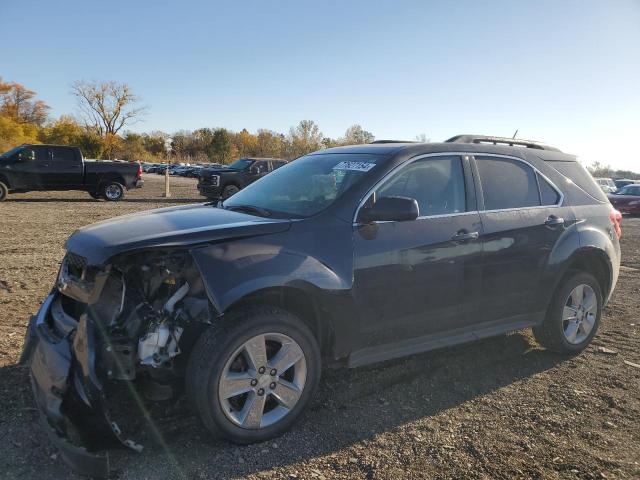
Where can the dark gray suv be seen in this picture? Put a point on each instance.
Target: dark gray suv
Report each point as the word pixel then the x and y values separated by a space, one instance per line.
pixel 354 254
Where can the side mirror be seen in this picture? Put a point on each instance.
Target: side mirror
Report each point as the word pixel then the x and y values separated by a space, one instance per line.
pixel 26 156
pixel 390 209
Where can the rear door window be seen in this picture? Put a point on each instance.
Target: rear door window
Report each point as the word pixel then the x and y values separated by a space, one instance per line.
pixel 260 167
pixel 507 183
pixel 63 156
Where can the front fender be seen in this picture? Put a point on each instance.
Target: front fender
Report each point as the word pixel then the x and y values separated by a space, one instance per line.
pixel 5 179
pixel 234 270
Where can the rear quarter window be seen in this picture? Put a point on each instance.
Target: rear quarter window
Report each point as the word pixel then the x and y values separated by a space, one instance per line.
pixel 579 175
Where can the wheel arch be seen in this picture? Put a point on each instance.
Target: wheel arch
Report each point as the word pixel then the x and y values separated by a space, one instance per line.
pixel 300 283
pixel 594 261
pixel 300 302
pixel 4 179
pixel 233 182
pixel 110 178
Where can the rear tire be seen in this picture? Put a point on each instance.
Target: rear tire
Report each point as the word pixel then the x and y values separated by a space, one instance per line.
pixel 248 346
pixel 4 192
pixel 112 192
pixel 573 316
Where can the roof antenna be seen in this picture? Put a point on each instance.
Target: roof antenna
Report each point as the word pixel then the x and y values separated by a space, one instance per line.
pixel 514 135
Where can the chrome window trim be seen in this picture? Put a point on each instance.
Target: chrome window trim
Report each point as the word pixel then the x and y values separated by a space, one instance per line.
pixel 537 172
pixel 463 156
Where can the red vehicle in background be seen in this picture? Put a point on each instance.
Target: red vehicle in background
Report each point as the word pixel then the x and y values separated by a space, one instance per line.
pixel 627 199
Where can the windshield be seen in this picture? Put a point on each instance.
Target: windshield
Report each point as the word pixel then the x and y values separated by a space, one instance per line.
pixel 628 190
pixel 306 186
pixel 10 152
pixel 241 164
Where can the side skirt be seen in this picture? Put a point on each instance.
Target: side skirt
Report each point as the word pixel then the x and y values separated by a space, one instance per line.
pixel 411 346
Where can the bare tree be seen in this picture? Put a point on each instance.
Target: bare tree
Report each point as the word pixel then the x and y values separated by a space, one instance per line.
pixel 107 107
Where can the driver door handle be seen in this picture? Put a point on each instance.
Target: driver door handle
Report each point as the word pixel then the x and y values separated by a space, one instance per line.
pixel 465 236
pixel 553 221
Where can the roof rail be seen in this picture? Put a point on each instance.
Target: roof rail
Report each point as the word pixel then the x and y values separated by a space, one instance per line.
pixel 511 142
pixel 392 141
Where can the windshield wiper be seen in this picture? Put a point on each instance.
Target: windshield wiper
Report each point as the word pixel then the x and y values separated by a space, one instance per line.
pixel 263 212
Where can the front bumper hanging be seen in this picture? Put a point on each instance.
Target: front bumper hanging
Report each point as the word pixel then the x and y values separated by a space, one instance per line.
pixel 68 393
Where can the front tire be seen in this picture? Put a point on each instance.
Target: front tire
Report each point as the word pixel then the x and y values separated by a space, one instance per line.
pixel 4 192
pixel 229 191
pixel 573 316
pixel 112 192
pixel 251 375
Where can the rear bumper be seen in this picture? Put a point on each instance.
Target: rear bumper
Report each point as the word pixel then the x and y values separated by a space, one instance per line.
pixel 138 183
pixel 67 391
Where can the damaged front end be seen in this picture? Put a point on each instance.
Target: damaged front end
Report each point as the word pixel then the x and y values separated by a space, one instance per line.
pixel 127 326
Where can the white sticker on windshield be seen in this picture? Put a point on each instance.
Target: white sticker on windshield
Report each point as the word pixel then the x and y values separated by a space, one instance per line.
pixel 356 166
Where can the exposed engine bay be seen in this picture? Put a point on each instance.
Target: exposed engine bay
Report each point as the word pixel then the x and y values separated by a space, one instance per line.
pixel 121 330
pixel 145 309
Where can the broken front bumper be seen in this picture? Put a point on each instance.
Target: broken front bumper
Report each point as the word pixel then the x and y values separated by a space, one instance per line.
pixel 61 355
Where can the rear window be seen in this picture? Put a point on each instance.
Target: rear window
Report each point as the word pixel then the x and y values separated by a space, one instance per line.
pixel 579 175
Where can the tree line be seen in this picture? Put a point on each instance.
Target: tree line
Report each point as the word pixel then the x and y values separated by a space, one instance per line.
pixel 600 170
pixel 106 109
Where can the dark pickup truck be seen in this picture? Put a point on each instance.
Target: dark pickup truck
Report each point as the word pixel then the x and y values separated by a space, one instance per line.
pixel 53 167
pixel 222 182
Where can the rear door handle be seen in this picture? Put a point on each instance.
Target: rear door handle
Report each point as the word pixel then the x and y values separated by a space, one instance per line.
pixel 553 221
pixel 464 236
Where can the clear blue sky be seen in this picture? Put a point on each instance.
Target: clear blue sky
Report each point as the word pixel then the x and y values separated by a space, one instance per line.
pixel 564 72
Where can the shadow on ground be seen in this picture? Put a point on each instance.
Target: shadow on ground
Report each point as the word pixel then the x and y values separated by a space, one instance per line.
pixel 351 406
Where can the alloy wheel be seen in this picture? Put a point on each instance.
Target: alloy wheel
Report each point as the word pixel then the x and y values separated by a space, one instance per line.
pixel 113 192
pixel 262 381
pixel 579 314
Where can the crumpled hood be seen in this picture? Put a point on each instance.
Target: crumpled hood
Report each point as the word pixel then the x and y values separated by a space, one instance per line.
pixel 167 227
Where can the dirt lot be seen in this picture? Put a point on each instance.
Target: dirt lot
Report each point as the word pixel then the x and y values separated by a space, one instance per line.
pixel 501 408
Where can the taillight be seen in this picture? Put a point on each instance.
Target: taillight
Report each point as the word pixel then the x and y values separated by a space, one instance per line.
pixel 616 220
pixel 139 174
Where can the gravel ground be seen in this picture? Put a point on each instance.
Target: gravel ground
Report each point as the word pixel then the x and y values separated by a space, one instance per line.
pixel 500 408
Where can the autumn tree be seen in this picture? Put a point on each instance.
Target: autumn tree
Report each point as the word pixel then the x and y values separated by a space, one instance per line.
pixel 156 143
pixel 246 143
pixel 18 103
pixel 63 131
pixel 306 137
pixel 270 144
pixel 13 133
pixel 222 148
pixel 356 135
